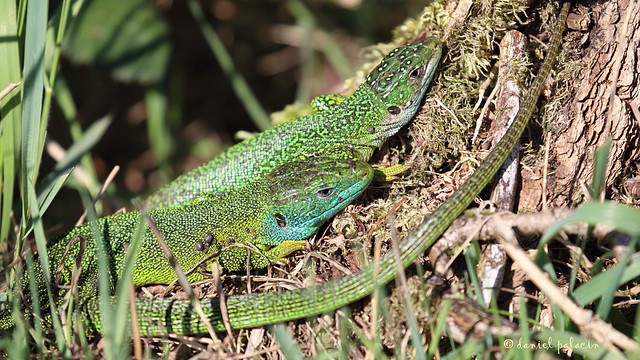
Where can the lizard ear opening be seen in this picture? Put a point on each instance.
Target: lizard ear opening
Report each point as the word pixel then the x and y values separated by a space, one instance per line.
pixel 280 220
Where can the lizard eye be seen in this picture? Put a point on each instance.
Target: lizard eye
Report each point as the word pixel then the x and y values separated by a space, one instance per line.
pixel 282 222
pixel 395 110
pixel 415 73
pixel 324 193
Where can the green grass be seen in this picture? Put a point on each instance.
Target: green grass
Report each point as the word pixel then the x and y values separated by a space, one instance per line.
pixel 31 56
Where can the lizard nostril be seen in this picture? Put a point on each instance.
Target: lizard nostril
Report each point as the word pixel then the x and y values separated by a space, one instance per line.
pixel 282 222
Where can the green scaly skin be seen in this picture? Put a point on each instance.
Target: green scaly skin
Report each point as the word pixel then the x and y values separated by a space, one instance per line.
pixel 274 214
pixel 344 128
pixel 164 316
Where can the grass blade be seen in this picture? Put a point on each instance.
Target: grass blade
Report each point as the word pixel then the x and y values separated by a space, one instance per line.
pixel 53 191
pixel 287 345
pixel 35 32
pixel 600 169
pixel 593 289
pixel 104 282
pixel 80 147
pixel 10 110
pixel 65 101
pixel 240 86
pixel 121 323
pixel 157 127
pixel 44 261
pixel 624 219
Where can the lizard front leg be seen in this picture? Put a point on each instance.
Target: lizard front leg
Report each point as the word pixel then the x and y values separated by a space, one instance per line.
pixel 235 258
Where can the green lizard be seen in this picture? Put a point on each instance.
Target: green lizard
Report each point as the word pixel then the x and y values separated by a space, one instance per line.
pixel 342 128
pixel 162 316
pixel 274 214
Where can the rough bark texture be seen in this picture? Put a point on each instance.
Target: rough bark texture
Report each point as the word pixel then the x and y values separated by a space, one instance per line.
pixel 587 119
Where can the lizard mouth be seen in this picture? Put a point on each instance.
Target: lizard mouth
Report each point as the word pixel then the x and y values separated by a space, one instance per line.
pixel 364 175
pixel 351 192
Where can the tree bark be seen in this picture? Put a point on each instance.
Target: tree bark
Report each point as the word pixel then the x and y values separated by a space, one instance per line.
pixel 594 114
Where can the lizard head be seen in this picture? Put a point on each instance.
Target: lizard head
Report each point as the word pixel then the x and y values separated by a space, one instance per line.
pixel 400 82
pixel 308 192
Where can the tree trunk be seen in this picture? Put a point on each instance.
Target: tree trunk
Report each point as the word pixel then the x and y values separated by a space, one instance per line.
pixel 599 111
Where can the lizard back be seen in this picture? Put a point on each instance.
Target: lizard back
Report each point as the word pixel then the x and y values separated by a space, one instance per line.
pixel 350 129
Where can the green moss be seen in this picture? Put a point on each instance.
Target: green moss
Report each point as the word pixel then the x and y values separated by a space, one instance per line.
pixel 437 143
pixel 438 139
pixel 290 112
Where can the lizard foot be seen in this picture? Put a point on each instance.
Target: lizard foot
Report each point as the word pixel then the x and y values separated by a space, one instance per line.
pixel 235 258
pixel 388 173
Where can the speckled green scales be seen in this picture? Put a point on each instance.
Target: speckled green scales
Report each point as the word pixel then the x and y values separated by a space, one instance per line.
pixel 344 131
pixel 273 216
pixel 257 309
pixel 349 127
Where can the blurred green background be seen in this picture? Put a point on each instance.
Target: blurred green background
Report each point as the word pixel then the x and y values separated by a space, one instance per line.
pixel 149 67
